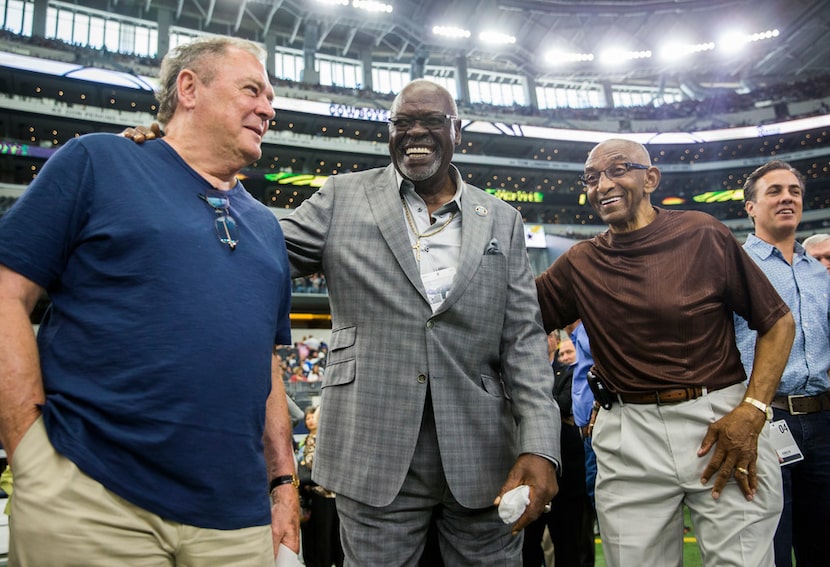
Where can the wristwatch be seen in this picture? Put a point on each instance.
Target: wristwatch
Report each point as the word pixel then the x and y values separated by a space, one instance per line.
pixel 284 479
pixel 766 409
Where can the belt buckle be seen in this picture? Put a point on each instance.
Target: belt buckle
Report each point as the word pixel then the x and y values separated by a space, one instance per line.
pixel 790 405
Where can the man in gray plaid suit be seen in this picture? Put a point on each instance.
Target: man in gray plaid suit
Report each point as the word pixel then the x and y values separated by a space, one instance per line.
pixel 437 392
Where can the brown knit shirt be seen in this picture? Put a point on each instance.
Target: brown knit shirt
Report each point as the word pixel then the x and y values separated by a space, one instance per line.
pixel 657 302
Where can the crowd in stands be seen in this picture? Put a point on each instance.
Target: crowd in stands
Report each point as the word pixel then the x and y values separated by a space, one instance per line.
pixel 712 104
pixel 724 102
pixel 707 108
pixel 303 365
pixel 382 100
pixel 315 283
pixel 85 55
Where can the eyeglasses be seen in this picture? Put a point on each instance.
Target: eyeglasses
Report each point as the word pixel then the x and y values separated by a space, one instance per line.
pixel 224 224
pixel 590 179
pixel 402 123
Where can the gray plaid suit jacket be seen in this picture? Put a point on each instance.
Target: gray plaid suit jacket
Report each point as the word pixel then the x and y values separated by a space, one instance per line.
pixel 483 354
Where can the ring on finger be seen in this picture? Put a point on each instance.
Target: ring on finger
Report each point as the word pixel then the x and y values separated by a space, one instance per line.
pixel 742 470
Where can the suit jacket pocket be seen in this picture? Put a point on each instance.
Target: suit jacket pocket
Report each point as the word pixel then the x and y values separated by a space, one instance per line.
pixel 493 386
pixel 340 362
pixel 342 338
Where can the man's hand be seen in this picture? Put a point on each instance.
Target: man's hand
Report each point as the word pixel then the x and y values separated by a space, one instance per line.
pixel 540 475
pixel 140 134
pixel 285 517
pixel 735 436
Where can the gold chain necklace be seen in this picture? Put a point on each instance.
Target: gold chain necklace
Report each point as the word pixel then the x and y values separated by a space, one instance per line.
pixel 419 235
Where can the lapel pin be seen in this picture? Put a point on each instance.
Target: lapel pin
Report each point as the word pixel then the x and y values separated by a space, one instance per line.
pixel 481 211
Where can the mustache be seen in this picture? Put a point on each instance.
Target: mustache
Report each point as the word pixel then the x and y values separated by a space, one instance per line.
pixel 425 139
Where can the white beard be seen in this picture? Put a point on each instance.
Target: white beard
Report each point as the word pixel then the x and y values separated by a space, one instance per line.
pixel 420 174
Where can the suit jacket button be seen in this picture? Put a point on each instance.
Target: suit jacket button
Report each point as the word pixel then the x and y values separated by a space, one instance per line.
pixel 430 324
pixel 421 378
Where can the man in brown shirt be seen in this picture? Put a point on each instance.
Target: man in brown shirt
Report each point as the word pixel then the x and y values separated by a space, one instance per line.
pixel 656 293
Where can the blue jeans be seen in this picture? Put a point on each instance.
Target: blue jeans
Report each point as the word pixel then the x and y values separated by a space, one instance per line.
pixel 590 470
pixel 806 516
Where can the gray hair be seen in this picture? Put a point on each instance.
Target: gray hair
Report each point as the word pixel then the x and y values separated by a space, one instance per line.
pixel 815 240
pixel 200 56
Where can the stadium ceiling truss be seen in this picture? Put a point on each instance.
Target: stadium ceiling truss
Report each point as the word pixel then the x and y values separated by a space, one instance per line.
pixel 799 52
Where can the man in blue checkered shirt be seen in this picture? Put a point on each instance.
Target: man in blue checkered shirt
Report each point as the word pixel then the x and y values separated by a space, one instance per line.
pixel 773 198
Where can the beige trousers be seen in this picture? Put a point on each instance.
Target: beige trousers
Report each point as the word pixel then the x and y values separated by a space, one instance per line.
pixel 61 517
pixel 647 468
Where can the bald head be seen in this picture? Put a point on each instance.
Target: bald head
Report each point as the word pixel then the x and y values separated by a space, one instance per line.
pixel 620 182
pixel 629 149
pixel 421 88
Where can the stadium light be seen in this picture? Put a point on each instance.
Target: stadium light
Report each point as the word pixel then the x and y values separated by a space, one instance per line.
pixel 368 5
pixel 561 57
pixel 760 36
pixel 451 32
pixel 738 40
pixel 676 50
pixel 733 42
pixel 615 55
pixel 495 37
pixel 372 6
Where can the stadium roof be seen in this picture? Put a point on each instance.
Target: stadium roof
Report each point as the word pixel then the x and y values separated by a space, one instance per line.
pixel 799 51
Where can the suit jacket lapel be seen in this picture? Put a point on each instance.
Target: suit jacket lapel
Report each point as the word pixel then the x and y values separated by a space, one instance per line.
pixel 385 205
pixel 476 221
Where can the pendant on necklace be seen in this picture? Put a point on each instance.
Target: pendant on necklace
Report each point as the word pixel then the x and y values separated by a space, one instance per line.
pixel 420 245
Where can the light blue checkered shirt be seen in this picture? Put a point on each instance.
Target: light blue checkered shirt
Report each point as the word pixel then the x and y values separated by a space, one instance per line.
pixel 805 287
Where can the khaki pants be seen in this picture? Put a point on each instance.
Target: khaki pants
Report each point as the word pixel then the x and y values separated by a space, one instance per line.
pixel 61 517
pixel 647 467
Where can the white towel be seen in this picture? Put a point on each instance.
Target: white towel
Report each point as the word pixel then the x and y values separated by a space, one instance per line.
pixel 514 503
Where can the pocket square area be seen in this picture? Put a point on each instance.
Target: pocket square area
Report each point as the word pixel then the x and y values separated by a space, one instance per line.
pixel 492 248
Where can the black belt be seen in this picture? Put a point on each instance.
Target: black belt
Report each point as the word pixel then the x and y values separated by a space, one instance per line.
pixel 798 405
pixel 670 396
